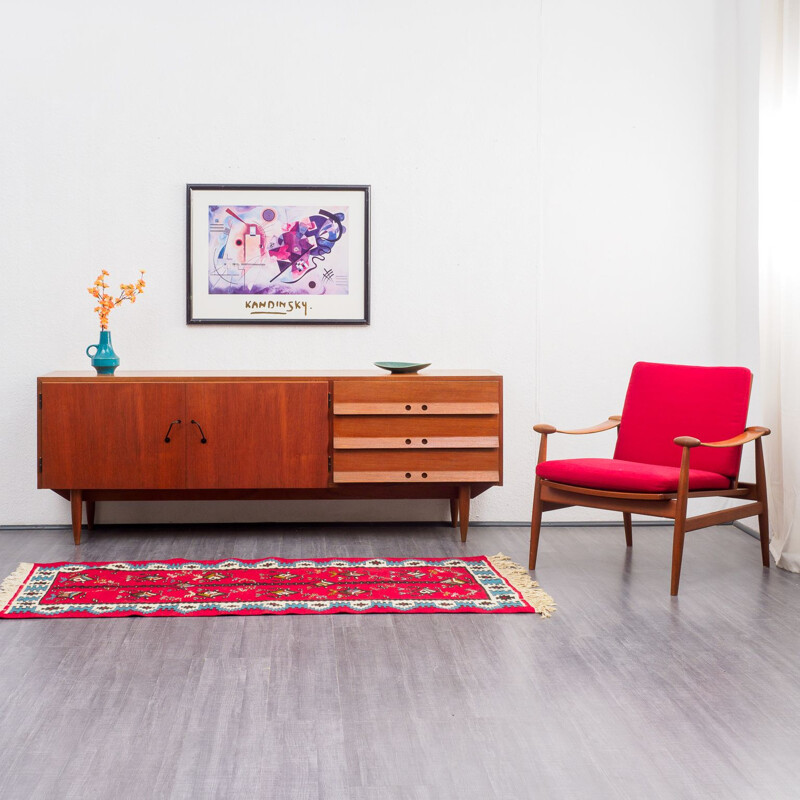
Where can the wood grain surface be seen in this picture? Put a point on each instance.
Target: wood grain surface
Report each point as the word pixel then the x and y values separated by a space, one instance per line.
pixel 458 476
pixel 111 436
pixel 122 375
pixel 623 694
pixel 412 443
pixel 417 426
pixel 260 434
pixel 162 433
pixel 415 459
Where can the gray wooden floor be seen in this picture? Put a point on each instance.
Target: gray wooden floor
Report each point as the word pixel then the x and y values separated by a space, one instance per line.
pixel 623 693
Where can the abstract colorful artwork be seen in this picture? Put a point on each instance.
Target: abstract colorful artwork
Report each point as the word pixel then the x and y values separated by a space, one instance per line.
pixel 178 588
pixel 280 250
pixel 278 254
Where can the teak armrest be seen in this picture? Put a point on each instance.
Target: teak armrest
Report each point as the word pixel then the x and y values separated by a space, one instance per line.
pixel 749 435
pixel 609 424
pixel 546 430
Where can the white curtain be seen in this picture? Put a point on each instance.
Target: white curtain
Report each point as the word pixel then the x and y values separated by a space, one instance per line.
pixel 779 265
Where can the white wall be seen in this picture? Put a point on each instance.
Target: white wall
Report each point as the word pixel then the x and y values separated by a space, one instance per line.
pixel 748 62
pixel 639 154
pixel 747 302
pixel 554 197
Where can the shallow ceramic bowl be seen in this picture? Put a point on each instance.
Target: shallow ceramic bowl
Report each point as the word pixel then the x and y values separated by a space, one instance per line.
pixel 400 367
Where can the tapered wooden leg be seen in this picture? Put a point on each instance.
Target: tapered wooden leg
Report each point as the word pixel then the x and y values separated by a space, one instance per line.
pixel 536 523
pixel 626 521
pixel 680 522
pixel 90 514
pixel 454 511
pixel 763 517
pixel 75 498
pixel 763 533
pixel 463 510
pixel 677 554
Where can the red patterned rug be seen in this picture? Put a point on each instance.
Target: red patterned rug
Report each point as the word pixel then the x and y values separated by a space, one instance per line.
pixel 181 588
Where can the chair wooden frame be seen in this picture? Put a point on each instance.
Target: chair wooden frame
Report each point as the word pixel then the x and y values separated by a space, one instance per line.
pixel 549 495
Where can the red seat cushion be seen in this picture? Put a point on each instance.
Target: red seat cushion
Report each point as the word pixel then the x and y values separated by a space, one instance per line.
pixel 669 400
pixel 615 475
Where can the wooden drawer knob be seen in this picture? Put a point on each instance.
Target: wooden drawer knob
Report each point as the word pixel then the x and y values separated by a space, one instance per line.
pixel 408 474
pixel 408 441
pixel 424 474
pixel 424 407
pixel 408 408
pixel 424 441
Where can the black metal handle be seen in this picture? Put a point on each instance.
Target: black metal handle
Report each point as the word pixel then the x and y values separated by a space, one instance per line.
pixel 203 439
pixel 174 422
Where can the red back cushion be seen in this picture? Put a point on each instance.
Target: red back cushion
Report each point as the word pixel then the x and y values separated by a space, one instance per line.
pixel 669 400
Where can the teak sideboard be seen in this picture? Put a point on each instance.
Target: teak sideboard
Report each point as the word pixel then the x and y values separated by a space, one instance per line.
pixel 263 435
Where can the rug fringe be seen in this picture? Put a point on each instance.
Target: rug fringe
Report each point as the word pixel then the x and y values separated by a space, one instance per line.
pixel 10 585
pixel 518 577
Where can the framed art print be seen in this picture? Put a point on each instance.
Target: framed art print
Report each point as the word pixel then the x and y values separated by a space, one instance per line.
pixel 277 254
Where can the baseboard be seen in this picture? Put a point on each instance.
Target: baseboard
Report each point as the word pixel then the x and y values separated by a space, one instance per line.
pixel 472 524
pixel 747 529
pixel 35 527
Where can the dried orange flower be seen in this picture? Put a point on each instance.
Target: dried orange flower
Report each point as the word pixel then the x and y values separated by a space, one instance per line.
pixel 128 291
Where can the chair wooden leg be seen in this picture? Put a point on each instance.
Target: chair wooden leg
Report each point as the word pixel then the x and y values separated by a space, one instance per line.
pixel 626 521
pixel 763 533
pixel 679 532
pixel 677 554
pixel 463 510
pixel 75 499
pixel 761 490
pixel 536 523
pixel 454 511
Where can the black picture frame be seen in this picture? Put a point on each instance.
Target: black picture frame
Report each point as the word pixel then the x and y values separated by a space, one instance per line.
pixel 217 290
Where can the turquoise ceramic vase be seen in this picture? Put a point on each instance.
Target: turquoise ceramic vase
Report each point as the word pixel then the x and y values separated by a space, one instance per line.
pixel 104 359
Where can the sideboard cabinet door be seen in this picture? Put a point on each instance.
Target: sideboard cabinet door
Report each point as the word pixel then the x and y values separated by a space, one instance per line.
pixel 106 435
pixel 258 435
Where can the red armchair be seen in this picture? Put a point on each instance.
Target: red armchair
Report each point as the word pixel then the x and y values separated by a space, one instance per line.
pixel 680 436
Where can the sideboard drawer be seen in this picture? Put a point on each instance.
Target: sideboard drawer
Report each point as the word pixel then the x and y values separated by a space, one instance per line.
pixel 417 476
pixel 388 466
pixel 395 432
pixel 411 442
pixel 417 397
